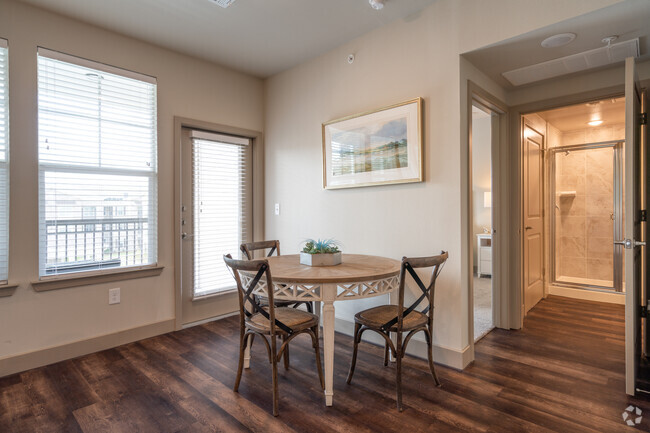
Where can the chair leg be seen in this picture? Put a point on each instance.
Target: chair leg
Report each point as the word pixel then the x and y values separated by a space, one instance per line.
pixel 274 366
pixel 357 328
pixel 429 337
pixel 385 354
pixel 286 353
pixel 398 372
pixel 242 347
pixel 317 351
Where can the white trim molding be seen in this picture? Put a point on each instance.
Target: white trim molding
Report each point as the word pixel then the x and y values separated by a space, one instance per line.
pixel 38 358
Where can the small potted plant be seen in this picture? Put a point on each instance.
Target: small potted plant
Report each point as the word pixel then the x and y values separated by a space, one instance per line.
pixel 320 253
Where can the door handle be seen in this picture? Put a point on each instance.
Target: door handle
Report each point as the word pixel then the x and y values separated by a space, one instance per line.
pixel 186 235
pixel 629 243
pixel 529 227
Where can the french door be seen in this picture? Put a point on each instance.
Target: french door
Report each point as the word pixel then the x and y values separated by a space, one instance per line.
pixel 216 193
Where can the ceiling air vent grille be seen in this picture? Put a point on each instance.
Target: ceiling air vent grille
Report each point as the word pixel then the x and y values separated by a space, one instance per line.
pixel 223 3
pixel 574 63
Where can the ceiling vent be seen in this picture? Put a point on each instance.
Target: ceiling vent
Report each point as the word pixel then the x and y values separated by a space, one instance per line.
pixel 223 3
pixel 574 63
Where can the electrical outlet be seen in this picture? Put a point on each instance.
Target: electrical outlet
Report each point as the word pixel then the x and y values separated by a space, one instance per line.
pixel 114 296
pixel 277 208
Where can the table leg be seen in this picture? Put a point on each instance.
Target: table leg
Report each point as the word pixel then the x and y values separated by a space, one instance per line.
pixel 328 343
pixel 247 353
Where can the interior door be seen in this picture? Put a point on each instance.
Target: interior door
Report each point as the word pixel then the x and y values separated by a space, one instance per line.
pixel 215 220
pixel 533 218
pixel 635 228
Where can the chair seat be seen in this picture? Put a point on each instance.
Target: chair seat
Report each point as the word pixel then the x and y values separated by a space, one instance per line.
pixel 376 317
pixel 293 318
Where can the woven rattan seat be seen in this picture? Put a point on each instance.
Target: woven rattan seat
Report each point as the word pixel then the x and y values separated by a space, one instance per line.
pixel 377 316
pixel 297 320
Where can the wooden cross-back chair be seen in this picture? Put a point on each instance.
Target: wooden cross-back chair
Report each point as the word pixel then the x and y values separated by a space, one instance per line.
pixel 397 319
pixel 273 246
pixel 269 321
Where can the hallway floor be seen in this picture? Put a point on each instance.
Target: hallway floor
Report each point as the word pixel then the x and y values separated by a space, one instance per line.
pixel 482 306
pixel 564 372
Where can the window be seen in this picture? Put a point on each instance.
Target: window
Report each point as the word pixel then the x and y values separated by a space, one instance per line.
pixel 221 191
pixel 4 163
pixel 97 157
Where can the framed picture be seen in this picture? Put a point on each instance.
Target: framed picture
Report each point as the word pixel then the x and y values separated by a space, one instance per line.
pixel 378 147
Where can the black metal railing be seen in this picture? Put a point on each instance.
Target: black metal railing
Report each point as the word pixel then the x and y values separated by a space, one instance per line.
pixel 90 244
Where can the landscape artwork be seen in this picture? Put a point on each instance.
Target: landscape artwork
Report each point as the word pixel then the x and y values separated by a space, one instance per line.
pixel 378 147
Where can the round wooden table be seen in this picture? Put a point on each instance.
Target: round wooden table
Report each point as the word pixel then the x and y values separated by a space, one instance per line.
pixel 358 276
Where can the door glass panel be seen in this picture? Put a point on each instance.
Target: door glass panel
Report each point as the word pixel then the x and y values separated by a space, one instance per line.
pixel 219 196
pixel 587 211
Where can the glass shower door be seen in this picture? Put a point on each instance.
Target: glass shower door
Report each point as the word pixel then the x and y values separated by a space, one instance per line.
pixel 586 198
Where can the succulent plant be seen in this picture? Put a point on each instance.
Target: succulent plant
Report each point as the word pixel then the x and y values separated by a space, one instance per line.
pixel 325 246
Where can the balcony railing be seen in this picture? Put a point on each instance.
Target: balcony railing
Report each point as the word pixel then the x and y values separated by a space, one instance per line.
pixel 90 244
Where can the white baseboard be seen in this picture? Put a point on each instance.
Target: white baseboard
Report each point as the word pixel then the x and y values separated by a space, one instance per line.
pixel 442 355
pixel 38 358
pixel 587 295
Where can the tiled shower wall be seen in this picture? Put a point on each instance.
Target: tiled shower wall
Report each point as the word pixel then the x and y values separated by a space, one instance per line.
pixel 584 224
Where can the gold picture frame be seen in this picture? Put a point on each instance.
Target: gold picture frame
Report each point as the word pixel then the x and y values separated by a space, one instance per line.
pixel 378 147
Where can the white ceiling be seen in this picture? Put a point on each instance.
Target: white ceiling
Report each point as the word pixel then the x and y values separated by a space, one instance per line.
pixel 259 37
pixel 629 19
pixel 575 117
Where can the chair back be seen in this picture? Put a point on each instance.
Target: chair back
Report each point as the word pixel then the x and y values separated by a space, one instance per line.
pixel 249 248
pixel 248 303
pixel 409 265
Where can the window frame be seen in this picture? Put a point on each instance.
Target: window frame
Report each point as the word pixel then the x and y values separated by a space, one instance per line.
pixel 53 281
pixel 5 165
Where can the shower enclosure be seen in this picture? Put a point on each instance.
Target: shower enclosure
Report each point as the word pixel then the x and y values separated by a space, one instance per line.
pixel 586 196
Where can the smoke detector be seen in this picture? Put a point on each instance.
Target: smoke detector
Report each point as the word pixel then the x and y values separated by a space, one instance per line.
pixel 376 4
pixel 223 3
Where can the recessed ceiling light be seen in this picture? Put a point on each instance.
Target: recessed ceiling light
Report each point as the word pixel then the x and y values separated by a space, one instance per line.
pixel 595 123
pixel 558 40
pixel 376 4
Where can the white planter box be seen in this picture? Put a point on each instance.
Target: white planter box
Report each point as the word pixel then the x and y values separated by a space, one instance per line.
pixel 320 259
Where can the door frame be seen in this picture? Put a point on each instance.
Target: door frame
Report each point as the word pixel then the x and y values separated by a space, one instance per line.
pixel 499 142
pixel 515 189
pixel 257 140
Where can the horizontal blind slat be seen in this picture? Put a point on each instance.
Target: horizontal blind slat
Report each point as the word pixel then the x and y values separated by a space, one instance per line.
pixel 220 181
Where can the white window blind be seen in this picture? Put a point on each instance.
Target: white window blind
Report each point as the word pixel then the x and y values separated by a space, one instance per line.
pixel 97 156
pixel 4 162
pixel 221 205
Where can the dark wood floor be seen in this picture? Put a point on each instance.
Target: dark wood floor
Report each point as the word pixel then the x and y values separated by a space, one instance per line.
pixel 563 372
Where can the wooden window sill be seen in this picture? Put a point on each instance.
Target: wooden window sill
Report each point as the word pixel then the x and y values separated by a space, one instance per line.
pixel 7 289
pixel 64 282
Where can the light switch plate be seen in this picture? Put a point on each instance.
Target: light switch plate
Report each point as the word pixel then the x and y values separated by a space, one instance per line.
pixel 114 296
pixel 277 208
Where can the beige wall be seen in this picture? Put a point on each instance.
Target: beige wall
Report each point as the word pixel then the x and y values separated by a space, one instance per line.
pixel 187 87
pixel 405 59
